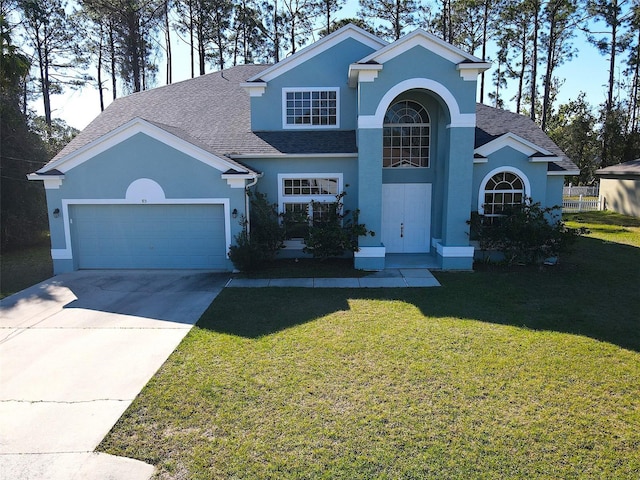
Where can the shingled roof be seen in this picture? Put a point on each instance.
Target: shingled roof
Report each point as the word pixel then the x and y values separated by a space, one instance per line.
pixel 213 112
pixel 492 123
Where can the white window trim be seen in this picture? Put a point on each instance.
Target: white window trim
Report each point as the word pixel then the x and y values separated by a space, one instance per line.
pixel 282 198
pixel 488 176
pixel 287 126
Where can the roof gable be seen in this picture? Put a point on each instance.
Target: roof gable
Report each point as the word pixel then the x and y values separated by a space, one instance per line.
pixel 516 142
pixel 170 136
pixel 331 40
pixel 426 40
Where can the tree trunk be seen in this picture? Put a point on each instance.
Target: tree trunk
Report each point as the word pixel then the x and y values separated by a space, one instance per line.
pixel 100 88
pixel 192 47
pixel 484 46
pixel 534 61
pixel 112 53
pixel 168 41
pixel 549 70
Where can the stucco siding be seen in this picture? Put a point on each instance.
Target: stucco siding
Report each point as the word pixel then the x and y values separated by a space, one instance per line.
pixel 621 195
pixel 414 64
pixel 327 69
pixel 110 177
pixel 509 158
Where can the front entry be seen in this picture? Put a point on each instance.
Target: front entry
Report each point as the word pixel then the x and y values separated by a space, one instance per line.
pixel 406 217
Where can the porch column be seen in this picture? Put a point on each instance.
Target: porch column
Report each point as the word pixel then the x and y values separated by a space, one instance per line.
pixel 372 253
pixel 454 251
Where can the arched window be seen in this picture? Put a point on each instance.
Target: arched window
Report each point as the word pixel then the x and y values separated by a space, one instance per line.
pixel 502 190
pixel 406 133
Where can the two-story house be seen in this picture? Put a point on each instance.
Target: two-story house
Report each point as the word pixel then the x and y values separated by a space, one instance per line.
pixel 159 179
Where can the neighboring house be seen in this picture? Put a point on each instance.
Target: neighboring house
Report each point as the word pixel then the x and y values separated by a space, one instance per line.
pixel 158 179
pixel 620 188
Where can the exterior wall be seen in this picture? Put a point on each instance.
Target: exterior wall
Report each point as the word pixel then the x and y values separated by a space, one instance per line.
pixel 327 69
pixel 543 189
pixel 436 83
pixel 108 175
pixel 269 185
pixel 418 63
pixel 621 195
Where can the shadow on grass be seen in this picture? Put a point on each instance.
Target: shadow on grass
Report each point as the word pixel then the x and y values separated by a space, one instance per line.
pixel 593 293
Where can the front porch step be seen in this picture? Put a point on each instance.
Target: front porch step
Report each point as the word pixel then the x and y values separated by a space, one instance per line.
pixel 410 261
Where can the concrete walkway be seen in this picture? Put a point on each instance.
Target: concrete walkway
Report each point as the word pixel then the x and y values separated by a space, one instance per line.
pixel 389 278
pixel 75 351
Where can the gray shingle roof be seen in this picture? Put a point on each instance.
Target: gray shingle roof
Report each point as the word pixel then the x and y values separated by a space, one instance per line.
pixel 213 112
pixel 631 167
pixel 494 122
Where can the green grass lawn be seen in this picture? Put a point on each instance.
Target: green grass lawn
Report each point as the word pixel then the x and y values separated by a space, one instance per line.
pixel 20 269
pixel 503 373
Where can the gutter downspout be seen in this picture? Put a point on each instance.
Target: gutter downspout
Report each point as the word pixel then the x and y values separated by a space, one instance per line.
pixel 246 200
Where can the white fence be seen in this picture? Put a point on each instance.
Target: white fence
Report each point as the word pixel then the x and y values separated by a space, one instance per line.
pixel 573 205
pixel 571 191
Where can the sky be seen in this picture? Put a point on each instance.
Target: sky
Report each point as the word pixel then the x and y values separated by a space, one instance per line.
pixel 587 71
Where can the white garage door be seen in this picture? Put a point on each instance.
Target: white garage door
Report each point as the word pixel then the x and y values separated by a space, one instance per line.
pixel 149 236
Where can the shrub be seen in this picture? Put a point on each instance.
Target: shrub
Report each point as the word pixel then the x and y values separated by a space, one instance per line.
pixel 254 249
pixel 336 232
pixel 525 233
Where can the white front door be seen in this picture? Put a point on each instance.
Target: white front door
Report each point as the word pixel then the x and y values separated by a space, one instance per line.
pixel 406 217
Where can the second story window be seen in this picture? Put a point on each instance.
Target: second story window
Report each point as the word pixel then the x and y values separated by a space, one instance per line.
pixel 311 108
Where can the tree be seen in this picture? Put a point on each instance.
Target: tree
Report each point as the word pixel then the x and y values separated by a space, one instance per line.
pixel 298 18
pixel 51 34
pixel 561 19
pixel 134 23
pixel 400 14
pixel 21 202
pixel 247 36
pixel 327 8
pixel 515 45
pixel 574 130
pixel 615 42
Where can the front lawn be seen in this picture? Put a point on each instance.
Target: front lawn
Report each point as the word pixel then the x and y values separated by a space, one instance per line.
pixel 504 373
pixel 20 269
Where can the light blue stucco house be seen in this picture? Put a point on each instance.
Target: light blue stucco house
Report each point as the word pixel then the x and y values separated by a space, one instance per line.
pixel 159 179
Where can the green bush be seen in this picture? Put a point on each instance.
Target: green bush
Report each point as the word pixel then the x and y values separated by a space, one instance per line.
pixel 336 232
pixel 525 233
pixel 255 248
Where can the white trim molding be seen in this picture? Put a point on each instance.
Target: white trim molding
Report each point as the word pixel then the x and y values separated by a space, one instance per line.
pixel 322 45
pixel 483 184
pixel 426 40
pixel 359 73
pixel 457 119
pixel 282 198
pixel 67 253
pixel 51 182
pixel 454 252
pixel 469 71
pixel 254 89
pixel 128 130
pixel 309 126
pixel 514 141
pixel 370 252
pixel 562 173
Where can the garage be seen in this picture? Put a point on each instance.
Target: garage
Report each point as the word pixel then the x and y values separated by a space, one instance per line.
pixel 150 236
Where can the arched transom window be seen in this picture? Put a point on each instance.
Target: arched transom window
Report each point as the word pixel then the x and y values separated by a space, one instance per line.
pixel 502 190
pixel 406 133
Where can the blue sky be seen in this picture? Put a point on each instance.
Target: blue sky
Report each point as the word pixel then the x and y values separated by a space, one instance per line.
pixel 587 71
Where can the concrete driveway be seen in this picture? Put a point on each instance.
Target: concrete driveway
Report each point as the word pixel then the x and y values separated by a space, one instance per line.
pixel 75 351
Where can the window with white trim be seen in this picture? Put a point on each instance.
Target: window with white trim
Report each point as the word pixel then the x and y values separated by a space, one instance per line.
pixel 305 199
pixel 504 189
pixel 311 108
pixel 406 135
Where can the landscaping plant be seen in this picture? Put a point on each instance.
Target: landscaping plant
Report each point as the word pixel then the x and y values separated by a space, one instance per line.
pixel 525 233
pixel 336 231
pixel 258 246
